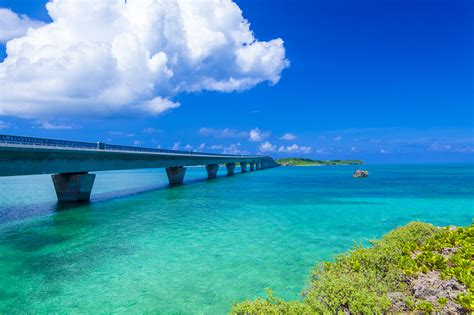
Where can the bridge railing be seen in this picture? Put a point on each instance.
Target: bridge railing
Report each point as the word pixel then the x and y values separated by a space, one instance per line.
pixel 20 140
pixel 32 141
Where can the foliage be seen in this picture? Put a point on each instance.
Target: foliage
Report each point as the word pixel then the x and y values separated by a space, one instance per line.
pixel 425 307
pixel 271 306
pixel 310 162
pixel 360 280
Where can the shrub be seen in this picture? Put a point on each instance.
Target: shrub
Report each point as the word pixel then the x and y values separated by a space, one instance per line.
pixel 359 281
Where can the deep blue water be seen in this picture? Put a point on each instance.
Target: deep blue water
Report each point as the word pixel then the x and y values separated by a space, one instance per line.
pixel 142 247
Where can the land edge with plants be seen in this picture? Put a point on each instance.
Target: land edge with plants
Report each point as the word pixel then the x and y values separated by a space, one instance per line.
pixel 294 161
pixel 414 268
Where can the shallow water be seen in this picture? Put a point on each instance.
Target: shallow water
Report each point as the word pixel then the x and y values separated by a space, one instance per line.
pixel 141 247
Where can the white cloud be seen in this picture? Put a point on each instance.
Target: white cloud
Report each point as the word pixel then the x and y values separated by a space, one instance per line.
pixel 295 148
pixel 322 151
pixel 437 147
pixel 176 145
pixel 354 149
pixel 288 137
pixel 467 149
pixel 216 147
pixel 223 133
pixel 137 142
pixel 13 25
pixel 254 135
pixel 383 151
pixel 52 126
pixel 121 133
pixel 202 146
pixel 151 130
pixel 3 125
pixel 267 147
pixel 338 138
pixel 157 105
pixel 234 149
pixel 188 147
pixel 440 147
pixel 257 135
pixel 122 57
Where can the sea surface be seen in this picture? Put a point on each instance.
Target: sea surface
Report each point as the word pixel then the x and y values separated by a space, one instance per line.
pixel 140 247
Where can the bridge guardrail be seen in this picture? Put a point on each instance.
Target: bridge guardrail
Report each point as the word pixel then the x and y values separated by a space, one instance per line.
pixel 21 140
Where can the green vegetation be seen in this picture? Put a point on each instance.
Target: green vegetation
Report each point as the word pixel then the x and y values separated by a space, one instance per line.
pixel 389 276
pixel 309 162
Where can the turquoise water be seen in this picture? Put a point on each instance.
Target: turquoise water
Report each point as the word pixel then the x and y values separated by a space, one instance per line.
pixel 141 247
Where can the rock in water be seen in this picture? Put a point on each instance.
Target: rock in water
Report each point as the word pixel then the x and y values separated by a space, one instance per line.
pixel 360 174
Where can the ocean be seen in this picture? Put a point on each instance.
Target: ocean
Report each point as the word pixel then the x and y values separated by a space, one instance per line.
pixel 141 247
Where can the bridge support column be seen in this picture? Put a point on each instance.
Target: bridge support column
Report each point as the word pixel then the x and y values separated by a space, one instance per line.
pixel 252 166
pixel 230 168
pixel 243 167
pixel 175 175
pixel 212 170
pixel 258 166
pixel 73 186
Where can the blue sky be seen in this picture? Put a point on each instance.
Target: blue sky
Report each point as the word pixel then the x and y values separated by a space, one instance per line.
pixel 383 81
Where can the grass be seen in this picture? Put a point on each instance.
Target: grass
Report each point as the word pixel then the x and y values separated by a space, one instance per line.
pixel 361 280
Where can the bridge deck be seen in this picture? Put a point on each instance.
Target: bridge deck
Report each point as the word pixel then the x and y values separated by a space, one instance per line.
pixel 70 162
pixel 27 156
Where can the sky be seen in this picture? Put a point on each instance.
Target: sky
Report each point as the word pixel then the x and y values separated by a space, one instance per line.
pixel 382 81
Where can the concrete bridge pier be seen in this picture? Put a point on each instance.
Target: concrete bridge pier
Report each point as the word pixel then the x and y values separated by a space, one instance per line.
pixel 243 167
pixel 252 166
pixel 73 187
pixel 212 170
pixel 258 165
pixel 230 168
pixel 175 175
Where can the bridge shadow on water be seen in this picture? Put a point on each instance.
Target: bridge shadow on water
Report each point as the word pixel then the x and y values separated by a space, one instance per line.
pixel 40 209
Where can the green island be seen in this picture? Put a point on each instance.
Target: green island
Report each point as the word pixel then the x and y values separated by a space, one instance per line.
pixel 418 267
pixel 310 162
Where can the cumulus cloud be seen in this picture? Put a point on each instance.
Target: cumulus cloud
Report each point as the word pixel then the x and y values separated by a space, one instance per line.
pixel 295 149
pixel 234 148
pixel 288 137
pixel 338 138
pixel 257 135
pixel 3 125
pixel 254 135
pixel 13 25
pixel 176 145
pixel 117 57
pixel 267 147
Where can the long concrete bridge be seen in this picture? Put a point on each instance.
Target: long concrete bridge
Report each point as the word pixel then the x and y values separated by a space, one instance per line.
pixel 71 161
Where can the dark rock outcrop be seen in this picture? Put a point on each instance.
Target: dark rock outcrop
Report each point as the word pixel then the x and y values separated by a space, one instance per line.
pixel 360 174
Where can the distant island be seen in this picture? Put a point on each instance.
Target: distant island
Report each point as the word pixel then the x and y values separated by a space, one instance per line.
pixel 310 162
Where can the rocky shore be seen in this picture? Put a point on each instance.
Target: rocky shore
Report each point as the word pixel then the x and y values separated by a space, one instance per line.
pixel 416 268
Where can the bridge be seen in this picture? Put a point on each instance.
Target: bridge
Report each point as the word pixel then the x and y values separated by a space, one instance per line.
pixel 70 162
